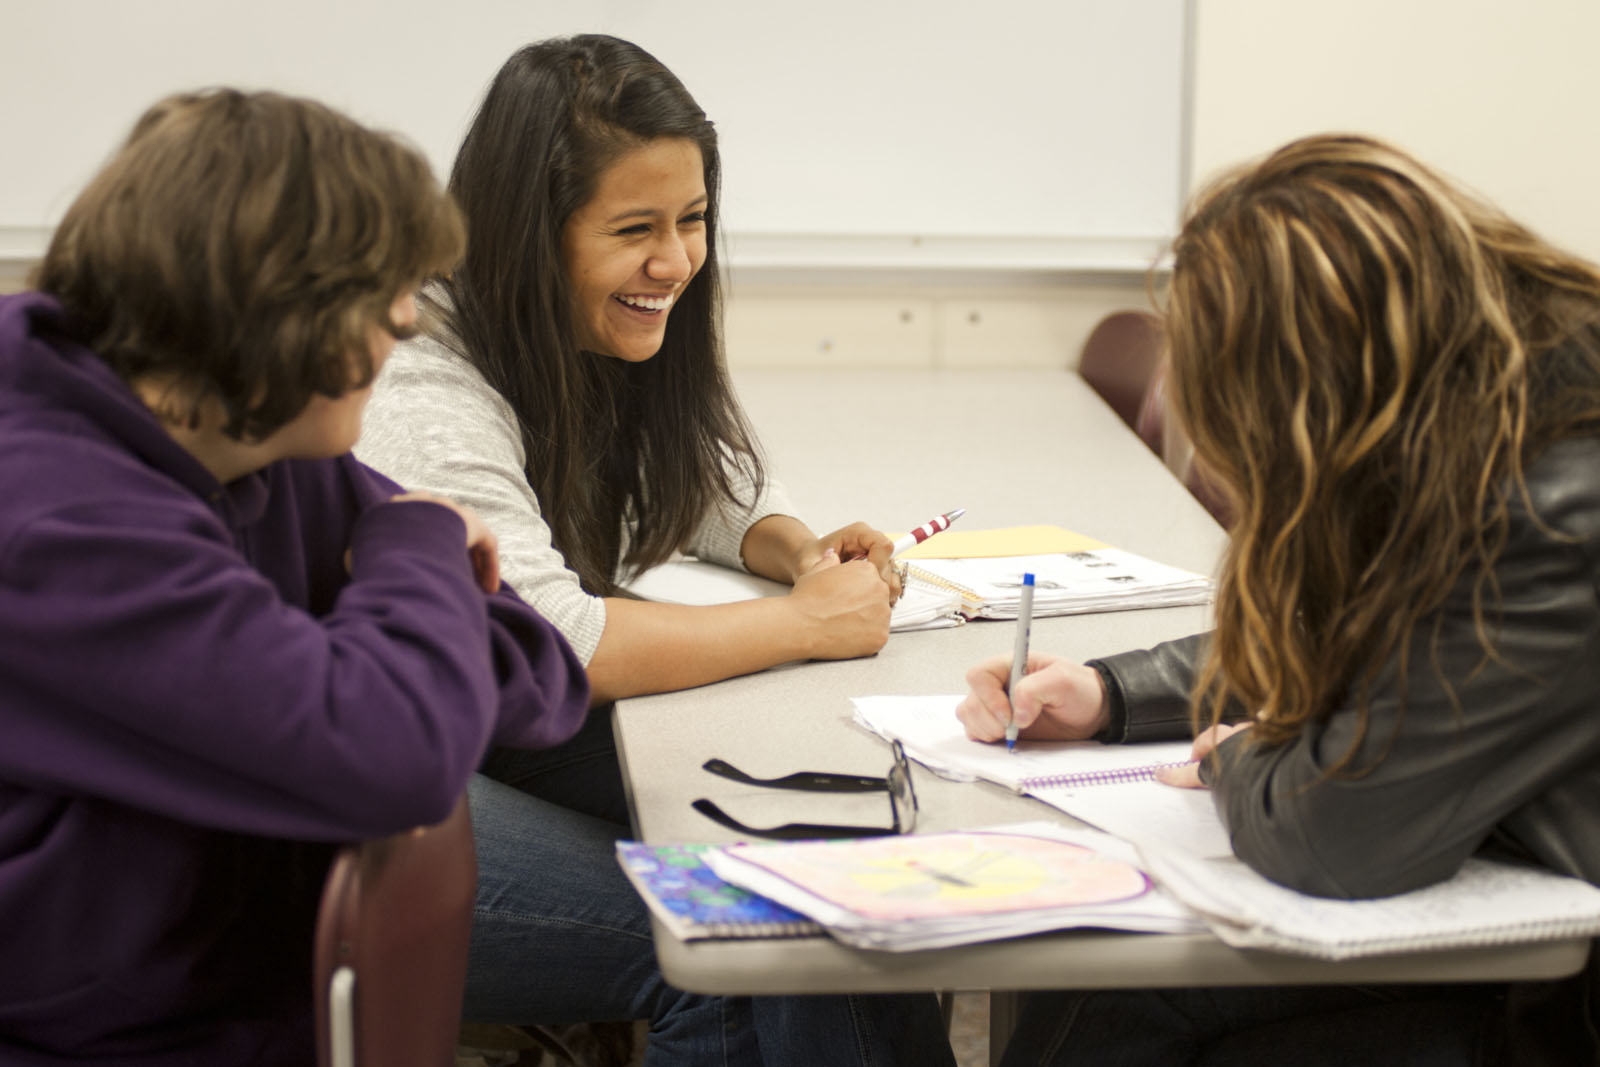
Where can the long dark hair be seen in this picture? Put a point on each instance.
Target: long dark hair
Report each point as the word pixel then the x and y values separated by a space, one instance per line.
pixel 606 440
pixel 1366 358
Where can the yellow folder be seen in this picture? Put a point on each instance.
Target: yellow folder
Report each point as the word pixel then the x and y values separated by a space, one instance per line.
pixel 1006 541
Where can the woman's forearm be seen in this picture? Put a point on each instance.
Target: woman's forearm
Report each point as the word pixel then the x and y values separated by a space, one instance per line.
pixel 772 548
pixel 649 647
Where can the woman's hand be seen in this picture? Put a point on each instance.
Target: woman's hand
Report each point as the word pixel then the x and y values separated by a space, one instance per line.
pixel 858 541
pixel 482 548
pixel 1056 700
pixel 844 606
pixel 1188 776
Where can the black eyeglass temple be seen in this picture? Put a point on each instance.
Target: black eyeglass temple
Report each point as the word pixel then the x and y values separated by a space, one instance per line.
pixel 809 781
pixel 791 831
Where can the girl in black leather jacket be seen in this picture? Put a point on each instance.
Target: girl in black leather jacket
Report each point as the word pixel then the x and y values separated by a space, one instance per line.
pixel 1398 388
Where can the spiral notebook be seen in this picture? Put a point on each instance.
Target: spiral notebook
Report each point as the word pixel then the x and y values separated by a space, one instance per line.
pixel 1485 903
pixel 689 899
pixel 1112 787
pixel 928 728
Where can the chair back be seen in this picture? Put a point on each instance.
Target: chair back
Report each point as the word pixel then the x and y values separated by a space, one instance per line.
pixel 1125 361
pixel 1120 358
pixel 390 959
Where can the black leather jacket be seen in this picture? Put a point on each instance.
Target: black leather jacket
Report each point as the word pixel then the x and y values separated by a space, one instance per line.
pixel 1516 768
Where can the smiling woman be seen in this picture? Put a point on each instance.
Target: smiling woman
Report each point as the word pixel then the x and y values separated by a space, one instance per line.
pixel 632 249
pixel 569 385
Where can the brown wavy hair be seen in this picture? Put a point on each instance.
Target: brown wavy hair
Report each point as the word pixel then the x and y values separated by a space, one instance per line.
pixel 606 441
pixel 1366 358
pixel 239 246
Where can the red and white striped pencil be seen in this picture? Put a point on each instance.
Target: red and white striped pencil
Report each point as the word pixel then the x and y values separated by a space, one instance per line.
pixel 937 524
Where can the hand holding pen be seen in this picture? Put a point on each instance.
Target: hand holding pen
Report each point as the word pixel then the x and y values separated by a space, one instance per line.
pixel 1057 699
pixel 848 550
pixel 849 544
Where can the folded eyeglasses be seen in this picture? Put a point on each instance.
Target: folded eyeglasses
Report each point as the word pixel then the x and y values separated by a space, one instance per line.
pixel 897 783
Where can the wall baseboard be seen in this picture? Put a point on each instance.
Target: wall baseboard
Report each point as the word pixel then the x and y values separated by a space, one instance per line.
pixel 952 327
pixel 834 312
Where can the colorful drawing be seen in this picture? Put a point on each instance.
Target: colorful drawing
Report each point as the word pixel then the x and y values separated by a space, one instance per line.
pixel 937 875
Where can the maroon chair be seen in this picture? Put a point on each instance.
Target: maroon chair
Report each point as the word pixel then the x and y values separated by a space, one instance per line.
pixel 1124 359
pixel 390 958
pixel 1158 430
pixel 1120 358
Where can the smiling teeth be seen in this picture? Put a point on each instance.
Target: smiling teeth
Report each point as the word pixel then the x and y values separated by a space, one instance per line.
pixel 647 303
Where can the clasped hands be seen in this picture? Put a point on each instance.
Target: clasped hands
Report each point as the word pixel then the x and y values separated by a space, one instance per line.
pixel 1058 700
pixel 858 541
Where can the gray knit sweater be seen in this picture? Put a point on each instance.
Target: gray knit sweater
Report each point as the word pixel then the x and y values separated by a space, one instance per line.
pixel 435 424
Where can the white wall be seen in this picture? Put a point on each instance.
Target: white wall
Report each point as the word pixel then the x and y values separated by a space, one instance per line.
pixel 1005 135
pixel 1500 94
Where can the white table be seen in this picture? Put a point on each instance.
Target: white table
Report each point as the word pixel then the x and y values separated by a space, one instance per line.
pixel 895 448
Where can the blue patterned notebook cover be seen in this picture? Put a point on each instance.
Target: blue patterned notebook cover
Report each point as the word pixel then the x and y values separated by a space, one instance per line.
pixel 689 898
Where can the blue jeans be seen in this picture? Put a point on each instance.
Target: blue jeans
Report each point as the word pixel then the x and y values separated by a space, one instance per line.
pixel 1309 1026
pixel 559 934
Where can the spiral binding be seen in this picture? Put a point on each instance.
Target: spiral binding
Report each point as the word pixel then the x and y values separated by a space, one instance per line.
pixel 1115 776
pixel 731 930
pixel 968 596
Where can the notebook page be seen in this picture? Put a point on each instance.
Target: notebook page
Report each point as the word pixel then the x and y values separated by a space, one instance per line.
pixel 1149 813
pixel 928 728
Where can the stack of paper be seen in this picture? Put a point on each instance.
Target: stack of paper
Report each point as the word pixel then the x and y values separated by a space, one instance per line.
pixel 936 890
pixel 1486 903
pixel 1065 583
pixel 1183 845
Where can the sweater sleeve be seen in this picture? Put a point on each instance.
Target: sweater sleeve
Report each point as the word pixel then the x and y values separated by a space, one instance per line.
pixel 434 423
pixel 720 535
pixel 151 665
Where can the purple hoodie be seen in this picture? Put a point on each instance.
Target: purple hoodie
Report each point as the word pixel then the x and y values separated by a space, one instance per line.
pixel 197 699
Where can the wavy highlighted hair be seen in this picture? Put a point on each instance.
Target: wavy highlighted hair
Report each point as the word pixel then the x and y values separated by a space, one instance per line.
pixel 1366 357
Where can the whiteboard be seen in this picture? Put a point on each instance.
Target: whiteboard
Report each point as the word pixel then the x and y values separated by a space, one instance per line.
pixel 1008 132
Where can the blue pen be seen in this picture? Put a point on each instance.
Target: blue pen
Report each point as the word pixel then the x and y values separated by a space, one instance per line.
pixel 1019 655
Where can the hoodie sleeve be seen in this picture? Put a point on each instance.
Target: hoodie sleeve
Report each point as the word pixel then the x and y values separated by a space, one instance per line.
pixel 149 663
